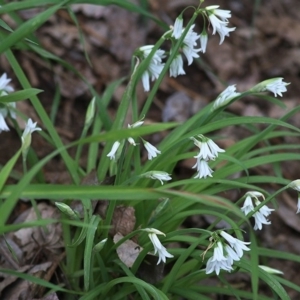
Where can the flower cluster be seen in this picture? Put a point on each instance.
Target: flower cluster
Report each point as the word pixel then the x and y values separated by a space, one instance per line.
pixel 158 247
pixel 227 249
pixel 189 46
pixel 152 151
pixel 219 24
pixel 209 150
pixel 155 66
pixel 260 215
pixel 9 108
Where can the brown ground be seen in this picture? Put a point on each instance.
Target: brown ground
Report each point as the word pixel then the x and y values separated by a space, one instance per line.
pixel 265 44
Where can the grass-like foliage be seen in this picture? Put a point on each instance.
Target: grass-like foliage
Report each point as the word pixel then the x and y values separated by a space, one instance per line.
pixel 120 226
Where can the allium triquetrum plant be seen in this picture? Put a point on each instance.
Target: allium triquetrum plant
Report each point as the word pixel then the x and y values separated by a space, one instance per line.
pixel 123 235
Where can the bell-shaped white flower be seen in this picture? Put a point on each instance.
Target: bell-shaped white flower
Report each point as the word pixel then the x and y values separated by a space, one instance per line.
pixel 219 25
pixel 209 150
pixel 203 169
pixel 158 247
pixel 277 86
pixel 114 149
pixel 189 44
pixel 160 175
pixel 152 151
pixel 222 259
pixel 177 29
pixel 225 97
pixel 4 81
pixel 134 125
pixel 203 40
pixel 261 215
pixel 155 66
pixel 26 136
pixel 237 245
pixel 3 125
pixel 295 185
pixel 176 67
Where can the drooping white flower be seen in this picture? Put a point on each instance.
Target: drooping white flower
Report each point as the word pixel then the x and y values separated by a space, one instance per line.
pixel 231 255
pixel 152 151
pixel 237 245
pixel 158 247
pixel 177 29
pixel 114 149
pixel 134 125
pixel 4 81
pixel 277 86
pixel 8 108
pixel 155 66
pixel 260 216
pixel 295 185
pixel 208 148
pixel 189 42
pixel 218 261
pixel 26 136
pixel 3 125
pixel 203 169
pixel 219 25
pixel 160 175
pixel 203 40
pixel 226 96
pixel 176 67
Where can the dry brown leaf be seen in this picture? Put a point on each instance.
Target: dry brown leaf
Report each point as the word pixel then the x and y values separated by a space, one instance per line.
pixel 127 251
pixel 33 239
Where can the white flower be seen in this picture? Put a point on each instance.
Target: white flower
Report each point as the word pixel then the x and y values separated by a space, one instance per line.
pixel 112 153
pixel 3 125
pixel 152 151
pixel 203 40
pixel 295 185
pixel 176 67
pixel 271 270
pixel 177 29
pixel 160 175
pixel 237 245
pixel 226 96
pixel 218 261
pixel 26 136
pixel 277 86
pixel 155 66
pixel 134 125
pixel 216 266
pixel 261 214
pixel 4 81
pixel 231 255
pixel 189 42
pixel 158 247
pixel 208 148
pixel 218 25
pixel 203 169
